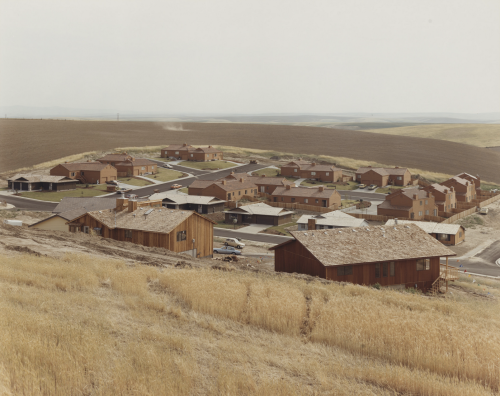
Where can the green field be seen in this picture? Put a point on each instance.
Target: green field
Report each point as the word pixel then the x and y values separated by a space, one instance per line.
pixel 207 165
pixel 309 183
pixel 267 171
pixel 55 196
pixel 134 182
pixel 165 175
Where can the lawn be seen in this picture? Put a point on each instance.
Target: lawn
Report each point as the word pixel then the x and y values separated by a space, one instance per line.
pixel 165 175
pixel 56 196
pixel 385 190
pixel 134 182
pixel 267 171
pixel 161 159
pixel 348 202
pixel 207 165
pixel 312 183
pixel 184 190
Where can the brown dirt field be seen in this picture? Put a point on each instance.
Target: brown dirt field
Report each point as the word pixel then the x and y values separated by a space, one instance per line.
pixel 24 143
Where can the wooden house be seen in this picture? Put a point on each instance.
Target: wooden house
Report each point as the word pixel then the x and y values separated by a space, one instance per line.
pixel 198 203
pixel 444 196
pixel 383 176
pixel 314 196
pixel 312 170
pixel 409 203
pixel 447 234
pixel 465 190
pixel 259 213
pixel 400 256
pixel 86 172
pixel 27 182
pixel 147 223
pixel 189 153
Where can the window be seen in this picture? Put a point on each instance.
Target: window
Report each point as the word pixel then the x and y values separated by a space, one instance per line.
pixel 426 212
pixel 359 176
pixel 345 270
pixel 423 264
pixel 143 168
pixel 460 234
pixel 192 155
pixel 85 229
pixel 306 200
pixel 97 231
pixel 313 173
pixel 128 233
pixel 412 215
pixel 233 193
pixel 435 212
pixel 327 173
pixel 385 267
pixel 295 170
pixel 427 202
pixel 82 173
pixel 72 173
pixel 181 236
pixel 421 203
pixel 444 237
pixel 153 167
pixel 399 178
pixel 317 201
pixel 420 213
pixel 293 199
pixel 282 199
pixel 245 192
pixel 239 192
pixel 377 270
pixel 391 268
pixel 176 152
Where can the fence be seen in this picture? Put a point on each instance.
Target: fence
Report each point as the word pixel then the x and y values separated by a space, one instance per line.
pixel 494 198
pixel 459 215
pixel 437 219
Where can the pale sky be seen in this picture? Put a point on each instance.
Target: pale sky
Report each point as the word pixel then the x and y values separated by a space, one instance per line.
pixel 258 56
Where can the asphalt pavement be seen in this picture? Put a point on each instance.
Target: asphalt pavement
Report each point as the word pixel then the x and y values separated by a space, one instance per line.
pixel 266 238
pixel 483 263
pixel 29 204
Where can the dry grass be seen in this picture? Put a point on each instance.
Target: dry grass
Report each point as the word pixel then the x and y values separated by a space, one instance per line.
pixel 481 135
pixel 84 325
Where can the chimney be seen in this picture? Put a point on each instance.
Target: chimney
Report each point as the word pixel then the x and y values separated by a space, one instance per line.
pixel 311 224
pixel 396 167
pixel 132 205
pixel 224 181
pixel 209 146
pixel 288 187
pixel 429 194
pixel 369 166
pixel 262 175
pixel 241 180
pixel 65 162
pixel 321 188
pixel 395 221
pixel 89 161
pixel 121 203
pixel 313 164
pixel 452 189
pixel 232 172
pixel 415 196
pixel 446 191
pixel 184 144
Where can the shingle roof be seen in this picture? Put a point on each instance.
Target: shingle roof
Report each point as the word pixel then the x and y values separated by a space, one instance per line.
pixel 270 181
pixel 177 147
pixel 260 209
pixel 229 186
pixel 384 171
pixel 438 187
pixel 430 227
pixel 184 198
pixel 370 244
pixel 297 162
pixel 380 171
pixel 207 150
pixel 201 184
pixel 85 166
pixel 455 179
pixel 320 168
pixel 410 192
pixel 158 220
pixel 312 192
pixel 42 178
pixel 83 205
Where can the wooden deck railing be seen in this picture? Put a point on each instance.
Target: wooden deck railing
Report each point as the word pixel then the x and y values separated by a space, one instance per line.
pixel 450 273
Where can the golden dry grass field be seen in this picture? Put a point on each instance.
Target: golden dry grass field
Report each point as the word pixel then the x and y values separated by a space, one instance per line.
pixel 24 143
pixel 481 135
pixel 84 325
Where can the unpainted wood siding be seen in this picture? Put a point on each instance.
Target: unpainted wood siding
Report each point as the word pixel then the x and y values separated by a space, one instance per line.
pixel 294 257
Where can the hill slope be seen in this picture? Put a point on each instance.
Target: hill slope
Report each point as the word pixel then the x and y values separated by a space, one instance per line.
pixel 29 142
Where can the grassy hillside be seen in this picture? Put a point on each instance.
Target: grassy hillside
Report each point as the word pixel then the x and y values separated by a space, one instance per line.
pixel 481 135
pixel 83 325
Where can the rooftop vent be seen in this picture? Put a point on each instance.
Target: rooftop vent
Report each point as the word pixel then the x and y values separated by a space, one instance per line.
pixel 148 212
pixel 305 233
pixel 100 211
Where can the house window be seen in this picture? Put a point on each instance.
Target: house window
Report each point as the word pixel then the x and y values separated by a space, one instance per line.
pixel 391 268
pixel 215 155
pixel 313 173
pixel 317 201
pixel 420 213
pixel 181 236
pixel 295 170
pixel 399 178
pixel 421 203
pixel 359 176
pixel 282 199
pixel 327 173
pixel 143 168
pixel 85 229
pixel 444 237
pixel 427 202
pixel 377 270
pixel 306 200
pixel 460 234
pixel 82 173
pixel 345 270
pixel 293 199
pixel 385 268
pixel 176 152
pixel 153 167
pixel 97 231
pixel 412 215
pixel 192 155
pixel 426 212
pixel 423 264
pixel 239 192
pixel 435 212
pixel 128 233
pixel 72 173
pixel 246 191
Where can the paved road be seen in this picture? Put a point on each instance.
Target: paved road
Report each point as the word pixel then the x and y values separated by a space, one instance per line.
pixel 366 196
pixel 184 169
pixel 225 233
pixel 483 263
pixel 28 204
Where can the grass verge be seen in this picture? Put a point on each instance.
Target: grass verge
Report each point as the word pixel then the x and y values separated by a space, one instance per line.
pixel 269 172
pixel 165 175
pixel 134 181
pixel 55 196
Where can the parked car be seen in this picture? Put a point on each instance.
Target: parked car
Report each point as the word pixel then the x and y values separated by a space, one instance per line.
pixel 484 211
pixel 168 166
pixel 361 185
pixel 372 187
pixel 113 182
pixel 227 250
pixel 234 242
pixel 175 186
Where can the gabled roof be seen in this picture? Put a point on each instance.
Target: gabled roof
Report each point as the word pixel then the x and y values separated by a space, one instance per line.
pixel 438 187
pixel 207 150
pixel 83 205
pixel 387 205
pixel 431 227
pixel 466 175
pixel 370 244
pixel 177 147
pixel 312 192
pixel 186 199
pixel 201 184
pixel 159 220
pixel 41 178
pixel 85 166
pixel 457 180
pixel 297 163
pixel 319 168
pixel 230 185
pixel 260 209
pixel 334 221
pixel 270 181
pixel 384 171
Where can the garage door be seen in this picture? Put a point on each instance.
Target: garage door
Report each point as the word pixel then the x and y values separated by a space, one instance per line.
pixel 265 220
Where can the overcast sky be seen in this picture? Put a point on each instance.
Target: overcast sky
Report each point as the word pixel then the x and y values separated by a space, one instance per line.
pixel 252 56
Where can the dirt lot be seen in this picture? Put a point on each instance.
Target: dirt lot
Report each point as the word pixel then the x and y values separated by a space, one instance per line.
pixel 37 138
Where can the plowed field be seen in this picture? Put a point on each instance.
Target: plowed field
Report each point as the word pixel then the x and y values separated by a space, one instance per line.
pixel 28 142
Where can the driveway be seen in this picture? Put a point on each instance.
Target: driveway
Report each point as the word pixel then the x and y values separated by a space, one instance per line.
pixel 274 239
pixel 29 204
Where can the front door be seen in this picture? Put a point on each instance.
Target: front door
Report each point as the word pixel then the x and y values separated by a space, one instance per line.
pixel 324 203
pixel 262 189
pixel 200 208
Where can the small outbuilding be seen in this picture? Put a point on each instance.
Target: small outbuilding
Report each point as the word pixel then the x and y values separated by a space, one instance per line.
pixel 259 213
pixel 399 256
pixel 447 234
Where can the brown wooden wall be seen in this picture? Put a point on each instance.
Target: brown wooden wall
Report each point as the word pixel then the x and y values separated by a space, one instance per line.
pixel 196 227
pixel 294 257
